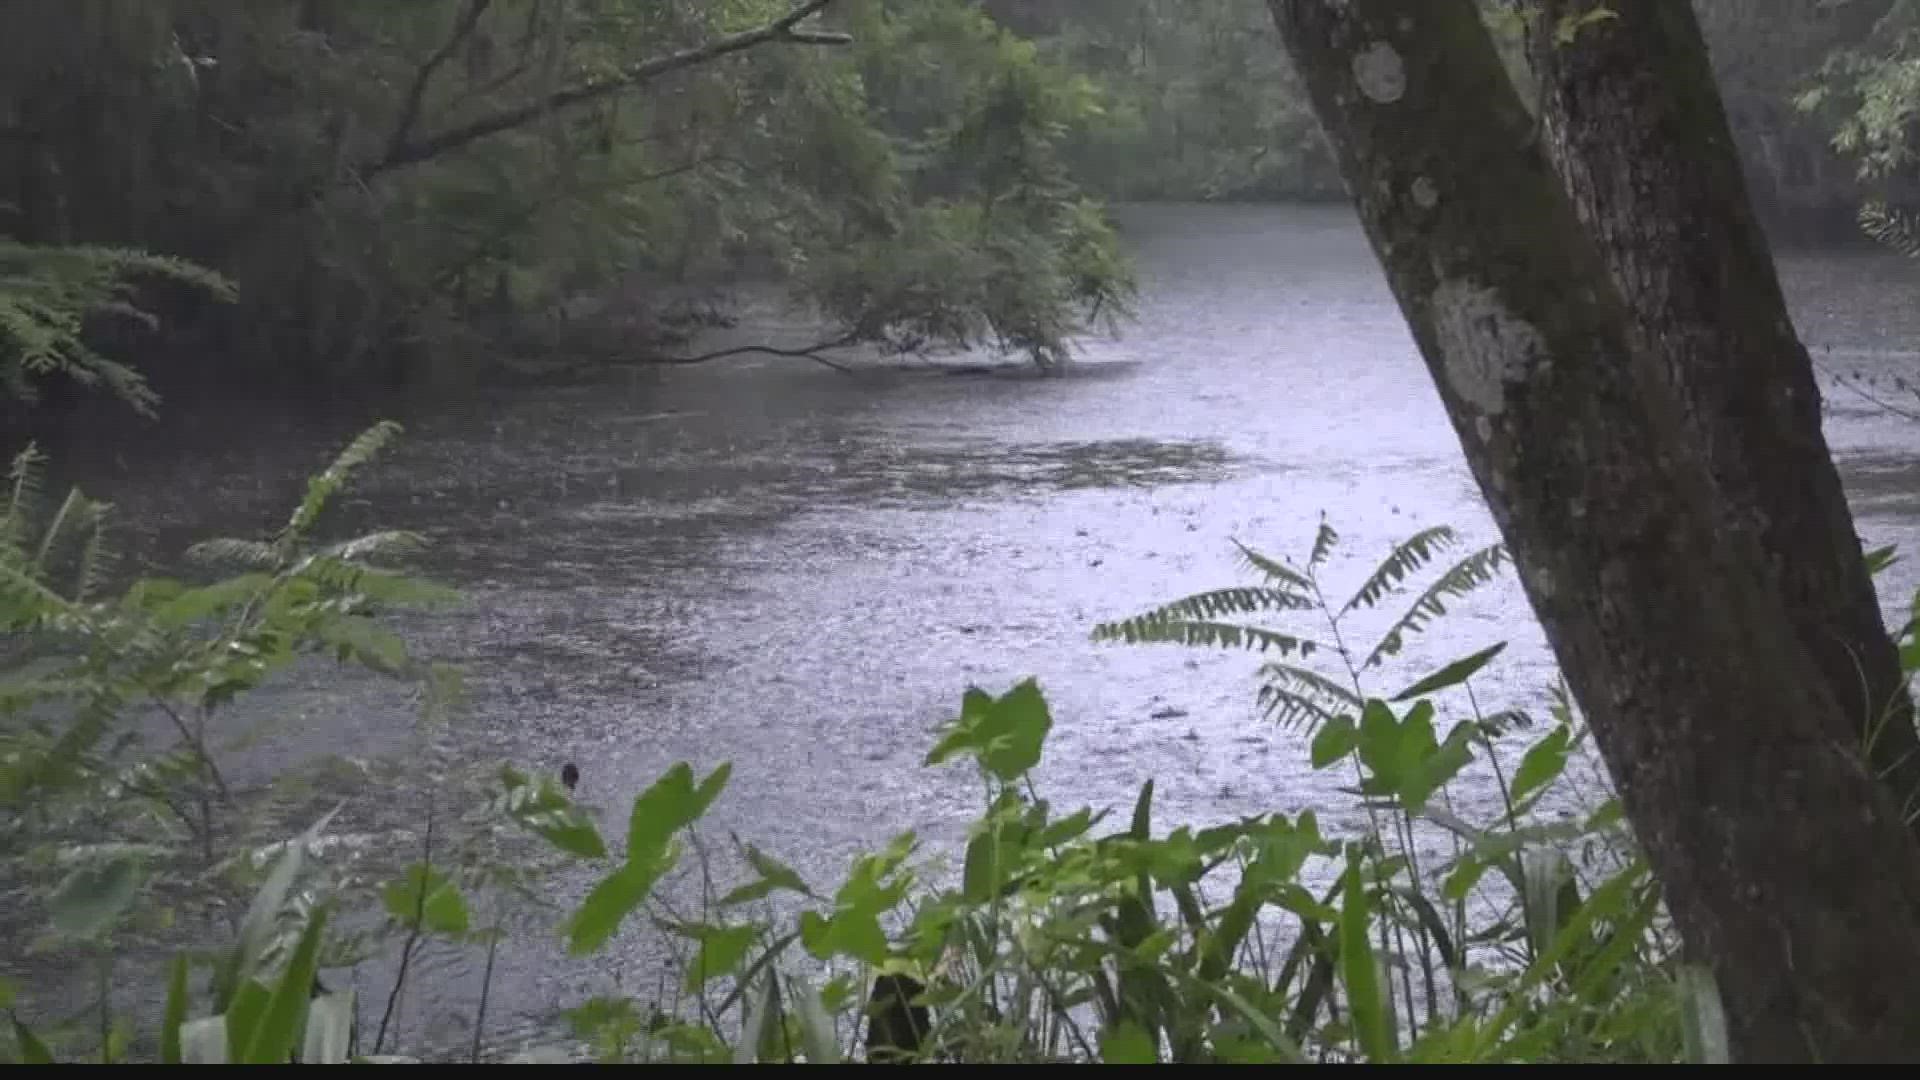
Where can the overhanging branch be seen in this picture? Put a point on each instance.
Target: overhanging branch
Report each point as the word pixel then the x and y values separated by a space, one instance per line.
pixel 782 30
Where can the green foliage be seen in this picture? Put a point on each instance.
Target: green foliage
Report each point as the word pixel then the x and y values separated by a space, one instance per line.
pixel 442 178
pixel 1270 938
pixel 1198 101
pixel 1867 92
pixel 1293 694
pixel 47 296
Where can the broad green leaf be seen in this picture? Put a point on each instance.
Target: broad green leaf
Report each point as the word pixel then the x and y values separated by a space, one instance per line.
pixel 279 1026
pixel 257 928
pixel 758 1022
pixel 1128 1044
pixel 329 1029
pixel 1453 674
pixel 1371 1028
pixel 1542 764
pixel 816 1026
pixel 721 950
pixel 175 1013
pixel 32 1050
pixel 426 895
pixel 1702 1019
pixel 94 896
pixel 1881 558
pixel 1005 734
pixel 669 805
pixel 548 812
pixel 1462 878
pixel 1142 824
pixel 244 1017
pixel 853 933
pixel 611 901
pixel 204 1041
pixel 1334 741
pixel 774 875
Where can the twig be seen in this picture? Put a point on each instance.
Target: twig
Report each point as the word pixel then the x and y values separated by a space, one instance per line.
pixel 1844 381
pixel 416 94
pixel 198 742
pixel 779 30
pixel 486 985
pixel 413 932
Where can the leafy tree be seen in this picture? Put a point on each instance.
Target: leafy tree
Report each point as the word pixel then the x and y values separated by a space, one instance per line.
pixel 387 183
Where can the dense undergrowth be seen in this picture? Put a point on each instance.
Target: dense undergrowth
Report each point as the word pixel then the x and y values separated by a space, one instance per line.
pixel 1429 934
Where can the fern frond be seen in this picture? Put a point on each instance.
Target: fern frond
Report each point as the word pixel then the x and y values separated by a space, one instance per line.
pixel 1324 542
pixel 373 545
pixel 1246 600
pixel 1466 575
pixel 383 586
pixel 23 492
pixel 29 602
pixel 95 554
pixel 1272 570
pixel 1406 557
pixel 1896 229
pixel 186 607
pixel 1295 694
pixel 1499 723
pixel 1204 633
pixel 363 449
pixel 227 549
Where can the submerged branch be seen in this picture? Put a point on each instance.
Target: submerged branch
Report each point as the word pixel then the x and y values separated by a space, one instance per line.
pixel 809 352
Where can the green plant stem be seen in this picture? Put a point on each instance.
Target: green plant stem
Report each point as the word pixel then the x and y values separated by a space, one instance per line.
pixel 413 931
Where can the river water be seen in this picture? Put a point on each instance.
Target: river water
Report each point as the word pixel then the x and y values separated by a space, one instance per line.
pixel 772 564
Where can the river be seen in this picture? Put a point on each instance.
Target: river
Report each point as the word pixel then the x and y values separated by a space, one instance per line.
pixel 772 564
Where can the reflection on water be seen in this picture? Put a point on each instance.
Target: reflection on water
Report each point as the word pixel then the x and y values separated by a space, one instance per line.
pixel 778 566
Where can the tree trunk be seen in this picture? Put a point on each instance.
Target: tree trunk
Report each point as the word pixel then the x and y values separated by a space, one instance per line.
pixel 1641 141
pixel 1787 868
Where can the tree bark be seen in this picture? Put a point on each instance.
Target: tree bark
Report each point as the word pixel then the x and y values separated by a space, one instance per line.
pixel 1786 867
pixel 1641 140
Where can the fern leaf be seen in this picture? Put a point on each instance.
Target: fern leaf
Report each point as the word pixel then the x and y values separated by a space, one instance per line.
pixel 238 552
pixel 1215 603
pixel 95 554
pixel 376 544
pixel 23 492
pixel 1406 557
pixel 363 449
pixel 1272 570
pixel 1895 229
pixel 1295 694
pixel 1499 723
pixel 186 607
pixel 1204 633
pixel 1324 542
pixel 1466 575
pixel 379 585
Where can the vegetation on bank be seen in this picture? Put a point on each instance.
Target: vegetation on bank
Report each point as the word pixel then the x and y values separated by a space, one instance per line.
pixel 1428 933
pixel 443 187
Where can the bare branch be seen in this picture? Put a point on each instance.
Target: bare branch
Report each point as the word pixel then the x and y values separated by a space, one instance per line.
pixel 416 94
pixel 780 30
